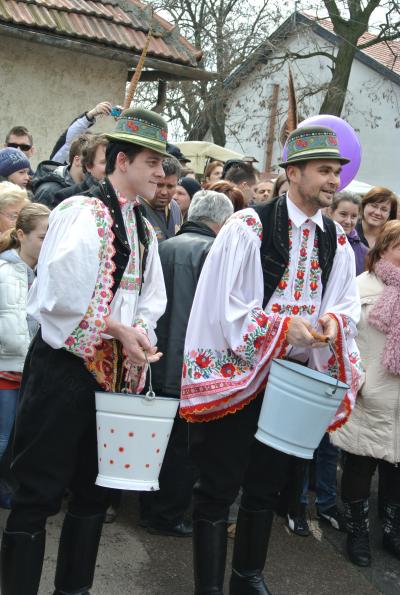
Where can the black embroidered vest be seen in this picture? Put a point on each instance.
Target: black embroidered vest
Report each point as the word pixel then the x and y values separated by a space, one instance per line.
pixel 275 245
pixel 105 192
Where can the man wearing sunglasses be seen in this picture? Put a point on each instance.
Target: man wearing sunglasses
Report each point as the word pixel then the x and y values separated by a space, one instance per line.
pixel 20 138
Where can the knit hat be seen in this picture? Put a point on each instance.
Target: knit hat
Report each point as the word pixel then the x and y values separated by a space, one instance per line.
pixel 12 160
pixel 141 127
pixel 190 185
pixel 312 142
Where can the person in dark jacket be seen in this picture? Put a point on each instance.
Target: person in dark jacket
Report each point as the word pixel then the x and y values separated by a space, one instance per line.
pixel 50 176
pixel 182 259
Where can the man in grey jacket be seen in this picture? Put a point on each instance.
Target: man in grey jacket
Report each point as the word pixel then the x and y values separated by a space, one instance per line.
pixel 182 259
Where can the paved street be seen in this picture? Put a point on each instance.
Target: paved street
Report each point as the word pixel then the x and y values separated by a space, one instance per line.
pixel 133 562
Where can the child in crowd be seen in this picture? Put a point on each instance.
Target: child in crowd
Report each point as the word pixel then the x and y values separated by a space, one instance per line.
pixel 14 166
pixel 346 210
pixel 19 253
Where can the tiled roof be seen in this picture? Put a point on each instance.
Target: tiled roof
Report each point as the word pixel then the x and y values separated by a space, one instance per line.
pixel 386 53
pixel 121 24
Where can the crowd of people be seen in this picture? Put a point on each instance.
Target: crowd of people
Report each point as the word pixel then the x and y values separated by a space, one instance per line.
pixel 114 255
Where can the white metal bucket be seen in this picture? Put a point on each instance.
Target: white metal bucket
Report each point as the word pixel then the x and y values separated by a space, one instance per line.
pixel 132 437
pixel 299 404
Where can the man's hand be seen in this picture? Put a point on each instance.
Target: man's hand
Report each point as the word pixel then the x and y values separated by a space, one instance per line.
pixel 329 327
pixel 134 342
pixel 299 334
pixel 104 107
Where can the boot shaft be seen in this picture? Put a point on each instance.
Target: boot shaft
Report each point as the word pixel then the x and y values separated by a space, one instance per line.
pixel 209 556
pixel 21 562
pixel 356 515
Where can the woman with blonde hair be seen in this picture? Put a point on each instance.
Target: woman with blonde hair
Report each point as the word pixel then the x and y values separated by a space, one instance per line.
pixel 19 253
pixel 370 438
pixel 12 199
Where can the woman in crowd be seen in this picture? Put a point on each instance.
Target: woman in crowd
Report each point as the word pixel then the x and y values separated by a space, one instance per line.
pixel 234 193
pixel 19 253
pixel 12 199
pixel 345 209
pixel 184 192
pixel 370 438
pixel 212 173
pixel 280 186
pixel 378 206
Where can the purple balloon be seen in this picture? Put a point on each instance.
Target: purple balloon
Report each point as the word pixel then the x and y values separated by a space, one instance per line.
pixel 348 142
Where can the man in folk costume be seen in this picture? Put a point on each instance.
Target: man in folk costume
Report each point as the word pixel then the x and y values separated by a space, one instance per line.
pixel 274 276
pixel 98 295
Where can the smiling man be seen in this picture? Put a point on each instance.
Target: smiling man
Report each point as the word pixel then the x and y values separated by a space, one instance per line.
pixel 98 295
pixel 283 271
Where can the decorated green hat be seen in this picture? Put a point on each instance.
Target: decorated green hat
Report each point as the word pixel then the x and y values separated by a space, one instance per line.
pixel 141 127
pixel 312 142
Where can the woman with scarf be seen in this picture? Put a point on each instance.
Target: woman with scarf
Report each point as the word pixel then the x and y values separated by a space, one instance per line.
pixel 370 439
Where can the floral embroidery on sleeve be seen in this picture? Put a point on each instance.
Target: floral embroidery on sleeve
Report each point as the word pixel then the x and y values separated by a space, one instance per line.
pixel 87 335
pixel 251 220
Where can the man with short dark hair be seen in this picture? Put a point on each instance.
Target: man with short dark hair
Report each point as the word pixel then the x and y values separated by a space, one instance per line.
pixel 162 210
pixel 279 282
pixel 243 175
pixel 20 138
pixel 50 177
pixel 98 294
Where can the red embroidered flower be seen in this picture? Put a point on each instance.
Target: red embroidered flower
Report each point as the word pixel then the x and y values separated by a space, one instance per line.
pixel 228 370
pixel 245 338
pixel 132 126
pixel 313 285
pixel 314 264
pixel 202 360
pixel 331 360
pixel 184 370
pixel 342 239
pixel 258 341
pixel 197 375
pixel 100 231
pixel 300 274
pixel 261 320
pixel 282 284
pixel 70 341
pixel 276 308
pixel 103 294
pixel 306 232
pixel 295 310
pixel 303 252
pixel 301 143
pixel 297 295
pixel 251 221
pixel 164 134
pixel 332 140
pixel 84 324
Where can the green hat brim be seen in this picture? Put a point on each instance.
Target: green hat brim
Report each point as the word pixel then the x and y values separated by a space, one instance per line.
pixel 342 160
pixel 138 140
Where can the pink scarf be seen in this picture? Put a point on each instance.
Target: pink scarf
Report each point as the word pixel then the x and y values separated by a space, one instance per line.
pixel 385 315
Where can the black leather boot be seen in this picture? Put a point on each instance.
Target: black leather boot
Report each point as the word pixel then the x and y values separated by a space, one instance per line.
pixel 209 556
pixel 391 529
pixel 253 530
pixel 357 524
pixel 77 554
pixel 21 562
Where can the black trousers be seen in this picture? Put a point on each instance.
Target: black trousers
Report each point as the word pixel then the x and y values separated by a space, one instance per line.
pixel 55 444
pixel 228 456
pixel 357 476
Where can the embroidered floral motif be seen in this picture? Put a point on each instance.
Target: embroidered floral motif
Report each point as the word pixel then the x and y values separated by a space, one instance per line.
pixel 293 310
pixel 342 239
pixel 315 270
pixel 87 335
pixel 283 283
pixel 205 363
pixel 251 221
pixel 301 265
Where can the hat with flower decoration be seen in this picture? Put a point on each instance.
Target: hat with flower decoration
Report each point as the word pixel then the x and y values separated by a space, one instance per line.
pixel 141 127
pixel 312 142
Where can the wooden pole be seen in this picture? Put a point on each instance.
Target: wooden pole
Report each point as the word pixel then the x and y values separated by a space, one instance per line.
pixel 271 128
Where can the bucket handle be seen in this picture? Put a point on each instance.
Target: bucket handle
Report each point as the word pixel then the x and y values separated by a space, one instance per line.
pixel 150 395
pixel 330 392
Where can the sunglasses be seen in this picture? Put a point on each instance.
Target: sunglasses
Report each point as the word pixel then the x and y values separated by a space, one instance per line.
pixel 21 147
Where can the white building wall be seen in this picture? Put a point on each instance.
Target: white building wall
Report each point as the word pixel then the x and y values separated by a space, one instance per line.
pixel 44 88
pixel 372 107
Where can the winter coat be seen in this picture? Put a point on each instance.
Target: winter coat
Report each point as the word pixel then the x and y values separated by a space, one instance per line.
pixel 50 177
pixel 182 259
pixel 373 429
pixel 16 330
